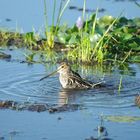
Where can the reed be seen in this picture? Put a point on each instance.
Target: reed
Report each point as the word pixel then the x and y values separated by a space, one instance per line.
pixel 85 47
pixel 51 31
pixel 120 85
pixel 98 44
pixel 61 12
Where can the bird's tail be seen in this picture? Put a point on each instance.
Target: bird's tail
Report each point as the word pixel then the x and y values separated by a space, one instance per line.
pixel 96 84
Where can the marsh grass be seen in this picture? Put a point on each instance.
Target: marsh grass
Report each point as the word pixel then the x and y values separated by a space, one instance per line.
pixel 61 11
pixel 29 39
pixel 89 51
pixel 50 55
pixel 4 37
pixel 10 37
pixel 29 57
pixel 97 51
pixel 51 31
pixel 84 50
pixel 127 55
pixel 99 40
pixel 120 85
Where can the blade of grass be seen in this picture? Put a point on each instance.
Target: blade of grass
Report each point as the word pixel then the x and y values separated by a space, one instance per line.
pixel 94 22
pixel 62 11
pixel 45 15
pixel 60 8
pixel 126 56
pixel 54 8
pixel 108 29
pixel 120 85
pixel 84 8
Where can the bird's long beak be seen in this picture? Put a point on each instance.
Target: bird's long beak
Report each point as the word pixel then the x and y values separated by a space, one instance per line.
pixel 48 75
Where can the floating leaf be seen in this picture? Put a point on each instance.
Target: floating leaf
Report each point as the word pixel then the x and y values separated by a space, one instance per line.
pixel 106 20
pixel 134 46
pixel 135 59
pixel 137 21
pixel 123 119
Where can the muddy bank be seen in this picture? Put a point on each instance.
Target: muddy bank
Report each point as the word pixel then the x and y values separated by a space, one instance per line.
pixel 41 107
pixel 38 107
pixel 4 55
pixel 28 40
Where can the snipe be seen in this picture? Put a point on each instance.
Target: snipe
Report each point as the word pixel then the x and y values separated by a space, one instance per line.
pixel 70 79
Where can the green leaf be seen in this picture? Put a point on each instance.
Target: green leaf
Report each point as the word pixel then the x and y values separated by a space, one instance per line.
pixel 62 37
pixel 134 46
pixel 127 36
pixel 73 39
pixel 137 21
pixel 124 119
pixel 135 59
pixel 106 20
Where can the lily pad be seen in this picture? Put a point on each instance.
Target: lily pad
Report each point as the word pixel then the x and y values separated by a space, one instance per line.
pixel 137 21
pixel 107 20
pixel 128 36
pixel 62 37
pixel 135 59
pixel 123 119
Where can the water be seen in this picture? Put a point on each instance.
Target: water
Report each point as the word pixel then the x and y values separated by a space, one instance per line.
pixel 25 14
pixel 20 82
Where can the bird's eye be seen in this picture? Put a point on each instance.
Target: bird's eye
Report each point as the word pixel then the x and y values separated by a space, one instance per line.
pixel 62 67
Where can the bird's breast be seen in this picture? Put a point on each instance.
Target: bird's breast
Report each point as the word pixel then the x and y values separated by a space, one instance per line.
pixel 63 80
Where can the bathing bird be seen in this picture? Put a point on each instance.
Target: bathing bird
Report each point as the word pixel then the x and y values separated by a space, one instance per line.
pixel 70 79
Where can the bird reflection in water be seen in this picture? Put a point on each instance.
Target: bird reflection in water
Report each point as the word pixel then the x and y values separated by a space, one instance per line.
pixel 68 96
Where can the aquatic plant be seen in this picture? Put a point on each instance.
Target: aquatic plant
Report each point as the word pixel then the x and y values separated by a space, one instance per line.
pixel 29 57
pixel 122 119
pixel 30 39
pixel 91 43
pixel 50 32
pixel 137 3
pixel 50 55
pixel 120 84
pixel 8 37
pixel 89 40
pixel 79 23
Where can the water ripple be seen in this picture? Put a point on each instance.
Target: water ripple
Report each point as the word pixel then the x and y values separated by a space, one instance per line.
pixel 25 85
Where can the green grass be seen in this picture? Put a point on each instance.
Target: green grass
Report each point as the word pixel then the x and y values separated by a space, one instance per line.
pixel 51 31
pixel 100 40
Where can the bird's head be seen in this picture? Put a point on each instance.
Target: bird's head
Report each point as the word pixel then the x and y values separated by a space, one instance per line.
pixel 64 67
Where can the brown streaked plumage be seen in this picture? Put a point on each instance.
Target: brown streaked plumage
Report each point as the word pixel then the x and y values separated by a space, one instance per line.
pixel 70 79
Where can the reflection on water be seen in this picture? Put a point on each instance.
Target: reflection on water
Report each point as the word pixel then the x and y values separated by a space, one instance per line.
pixel 21 82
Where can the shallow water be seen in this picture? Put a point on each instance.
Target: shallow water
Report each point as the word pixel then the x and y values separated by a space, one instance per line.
pixel 20 82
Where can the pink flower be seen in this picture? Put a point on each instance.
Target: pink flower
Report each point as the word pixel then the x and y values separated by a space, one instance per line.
pixel 79 23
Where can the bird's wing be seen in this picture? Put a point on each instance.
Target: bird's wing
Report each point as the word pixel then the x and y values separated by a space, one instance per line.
pixel 75 74
pixel 74 79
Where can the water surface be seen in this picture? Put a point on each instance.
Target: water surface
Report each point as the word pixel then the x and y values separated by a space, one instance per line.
pixel 20 82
